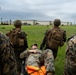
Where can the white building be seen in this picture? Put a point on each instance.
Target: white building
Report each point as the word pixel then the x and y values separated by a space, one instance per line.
pixel 36 22
pixel 28 22
pixel 44 22
pixel 66 23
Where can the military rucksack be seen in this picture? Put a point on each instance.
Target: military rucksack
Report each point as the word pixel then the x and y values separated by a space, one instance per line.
pixel 17 37
pixel 56 38
pixel 71 54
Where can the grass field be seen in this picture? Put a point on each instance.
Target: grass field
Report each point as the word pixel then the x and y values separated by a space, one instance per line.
pixel 35 34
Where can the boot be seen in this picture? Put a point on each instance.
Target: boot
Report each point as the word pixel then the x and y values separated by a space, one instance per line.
pixel 50 74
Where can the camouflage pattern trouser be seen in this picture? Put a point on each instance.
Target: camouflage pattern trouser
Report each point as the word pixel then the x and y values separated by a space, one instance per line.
pixel 49 61
pixel 54 51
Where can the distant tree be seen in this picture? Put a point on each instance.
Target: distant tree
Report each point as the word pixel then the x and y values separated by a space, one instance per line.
pixel 37 23
pixel 25 23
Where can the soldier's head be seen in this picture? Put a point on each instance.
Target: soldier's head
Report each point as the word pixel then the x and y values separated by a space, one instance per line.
pixel 17 23
pixel 34 46
pixel 57 22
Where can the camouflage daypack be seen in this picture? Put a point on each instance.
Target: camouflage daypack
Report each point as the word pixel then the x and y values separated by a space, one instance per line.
pixel 56 38
pixel 17 37
pixel 71 54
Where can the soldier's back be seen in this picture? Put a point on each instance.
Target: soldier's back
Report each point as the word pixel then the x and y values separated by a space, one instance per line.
pixel 7 56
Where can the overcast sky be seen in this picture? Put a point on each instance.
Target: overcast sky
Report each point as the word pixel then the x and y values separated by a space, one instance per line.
pixel 46 10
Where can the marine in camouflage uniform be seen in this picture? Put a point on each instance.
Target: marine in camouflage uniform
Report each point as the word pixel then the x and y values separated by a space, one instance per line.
pixel 46 43
pixel 41 58
pixel 19 49
pixel 8 64
pixel 70 62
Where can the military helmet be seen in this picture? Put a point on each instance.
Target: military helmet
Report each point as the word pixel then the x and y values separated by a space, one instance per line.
pixel 17 23
pixel 57 22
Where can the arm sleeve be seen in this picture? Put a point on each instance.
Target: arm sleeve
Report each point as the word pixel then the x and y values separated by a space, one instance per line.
pixel 8 33
pixel 64 36
pixel 24 54
pixel 25 43
pixel 45 39
pixel 41 60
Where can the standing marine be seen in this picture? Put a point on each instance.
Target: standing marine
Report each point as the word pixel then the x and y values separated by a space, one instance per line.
pixel 19 41
pixel 54 38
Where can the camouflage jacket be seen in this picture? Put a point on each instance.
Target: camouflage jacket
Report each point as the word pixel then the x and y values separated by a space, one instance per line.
pixel 48 34
pixel 70 63
pixel 32 59
pixel 7 56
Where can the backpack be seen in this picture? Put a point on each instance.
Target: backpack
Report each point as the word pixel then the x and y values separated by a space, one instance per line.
pixel 17 37
pixel 56 38
pixel 71 54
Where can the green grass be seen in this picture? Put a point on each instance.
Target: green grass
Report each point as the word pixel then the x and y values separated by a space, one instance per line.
pixel 35 34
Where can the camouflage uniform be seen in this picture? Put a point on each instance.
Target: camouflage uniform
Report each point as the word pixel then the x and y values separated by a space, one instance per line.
pixel 28 55
pixel 42 58
pixel 45 43
pixel 19 49
pixel 49 61
pixel 70 62
pixel 8 64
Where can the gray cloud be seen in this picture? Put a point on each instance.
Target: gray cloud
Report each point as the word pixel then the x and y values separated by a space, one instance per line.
pixel 38 9
pixel 24 16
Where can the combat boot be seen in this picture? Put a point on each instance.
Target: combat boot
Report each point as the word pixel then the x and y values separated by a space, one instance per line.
pixel 50 74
